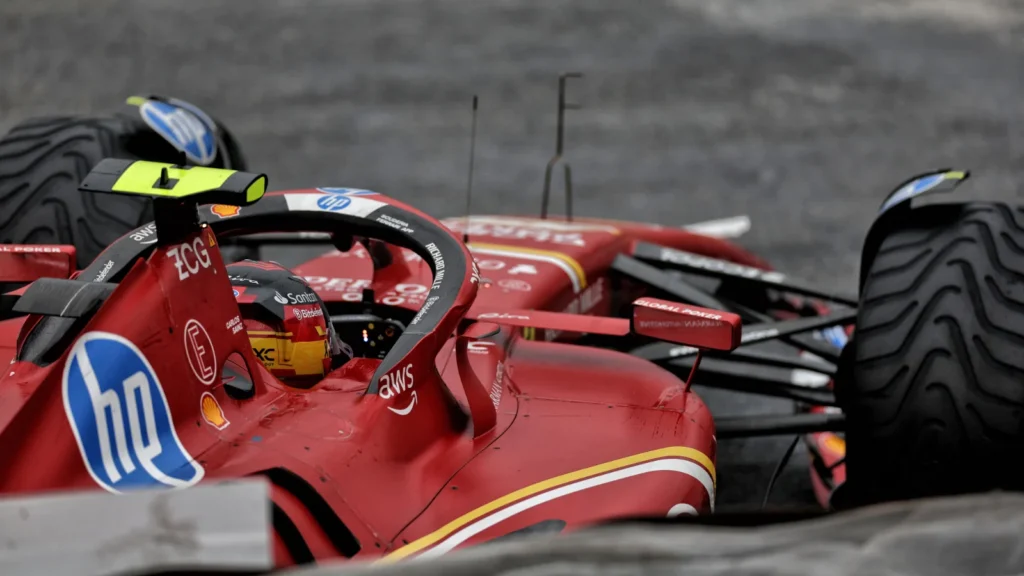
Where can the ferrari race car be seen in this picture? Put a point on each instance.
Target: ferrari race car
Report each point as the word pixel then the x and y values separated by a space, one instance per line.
pixel 508 375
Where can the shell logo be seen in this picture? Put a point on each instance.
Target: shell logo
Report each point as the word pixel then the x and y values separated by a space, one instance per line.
pixel 212 412
pixel 224 211
pixel 834 443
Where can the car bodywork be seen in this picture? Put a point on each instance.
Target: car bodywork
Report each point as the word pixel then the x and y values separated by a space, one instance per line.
pixel 136 373
pixel 516 374
pixel 494 395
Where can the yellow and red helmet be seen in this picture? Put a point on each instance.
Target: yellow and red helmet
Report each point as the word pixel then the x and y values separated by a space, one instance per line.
pixel 287 322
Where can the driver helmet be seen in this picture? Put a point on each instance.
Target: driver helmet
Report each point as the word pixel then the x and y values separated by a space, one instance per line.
pixel 288 324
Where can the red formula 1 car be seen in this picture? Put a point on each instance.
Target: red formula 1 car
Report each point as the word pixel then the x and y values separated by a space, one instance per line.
pixel 509 374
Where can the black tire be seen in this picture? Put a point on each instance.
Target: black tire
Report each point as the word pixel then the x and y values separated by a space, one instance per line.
pixel 42 162
pixel 932 382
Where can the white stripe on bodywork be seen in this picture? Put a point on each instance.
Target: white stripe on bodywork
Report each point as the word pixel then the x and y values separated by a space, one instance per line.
pixel 686 467
pixel 539 224
pixel 512 252
pixel 732 227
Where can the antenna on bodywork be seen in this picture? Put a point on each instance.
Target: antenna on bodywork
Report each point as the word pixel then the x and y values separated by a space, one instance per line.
pixel 562 107
pixel 469 181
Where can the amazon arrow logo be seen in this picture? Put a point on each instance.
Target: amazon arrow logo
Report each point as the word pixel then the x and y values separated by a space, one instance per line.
pixel 405 411
pixel 397 383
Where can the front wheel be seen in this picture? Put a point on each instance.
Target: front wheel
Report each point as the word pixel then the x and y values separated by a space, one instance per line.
pixel 43 160
pixel 932 381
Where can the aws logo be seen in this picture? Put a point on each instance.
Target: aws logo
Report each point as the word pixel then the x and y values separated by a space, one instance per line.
pixel 396 383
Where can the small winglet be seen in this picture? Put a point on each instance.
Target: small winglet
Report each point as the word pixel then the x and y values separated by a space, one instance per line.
pixel 659 319
pixel 561 321
pixel 686 324
pixel 197 184
pixel 62 297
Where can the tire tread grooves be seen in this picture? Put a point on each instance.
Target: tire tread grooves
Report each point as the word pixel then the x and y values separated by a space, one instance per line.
pixel 935 409
pixel 42 162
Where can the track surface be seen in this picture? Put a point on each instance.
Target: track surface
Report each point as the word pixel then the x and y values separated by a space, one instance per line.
pixel 802 113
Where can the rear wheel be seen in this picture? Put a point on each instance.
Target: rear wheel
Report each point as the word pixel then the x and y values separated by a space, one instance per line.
pixel 42 162
pixel 932 382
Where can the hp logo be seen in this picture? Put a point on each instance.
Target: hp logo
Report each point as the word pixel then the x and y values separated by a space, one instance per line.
pixel 121 419
pixel 182 129
pixel 347 191
pixel 918 187
pixel 333 202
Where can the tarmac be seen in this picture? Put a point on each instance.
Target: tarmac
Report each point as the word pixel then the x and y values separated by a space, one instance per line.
pixel 801 113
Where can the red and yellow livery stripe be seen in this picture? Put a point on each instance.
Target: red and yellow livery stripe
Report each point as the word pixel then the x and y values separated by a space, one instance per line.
pixel 680 459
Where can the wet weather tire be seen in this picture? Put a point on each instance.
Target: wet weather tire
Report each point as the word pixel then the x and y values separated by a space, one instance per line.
pixel 932 383
pixel 42 162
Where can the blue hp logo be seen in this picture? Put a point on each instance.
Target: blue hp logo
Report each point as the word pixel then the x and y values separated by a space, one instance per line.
pixel 182 129
pixel 918 187
pixel 835 335
pixel 119 414
pixel 333 202
pixel 347 191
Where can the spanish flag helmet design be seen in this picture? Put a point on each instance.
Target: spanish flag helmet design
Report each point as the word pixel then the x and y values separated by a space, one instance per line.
pixel 287 322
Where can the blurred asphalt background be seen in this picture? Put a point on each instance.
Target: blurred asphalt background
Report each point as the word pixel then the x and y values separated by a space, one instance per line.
pixel 801 113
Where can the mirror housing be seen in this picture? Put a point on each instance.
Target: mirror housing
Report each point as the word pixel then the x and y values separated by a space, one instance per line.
pixel 701 328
